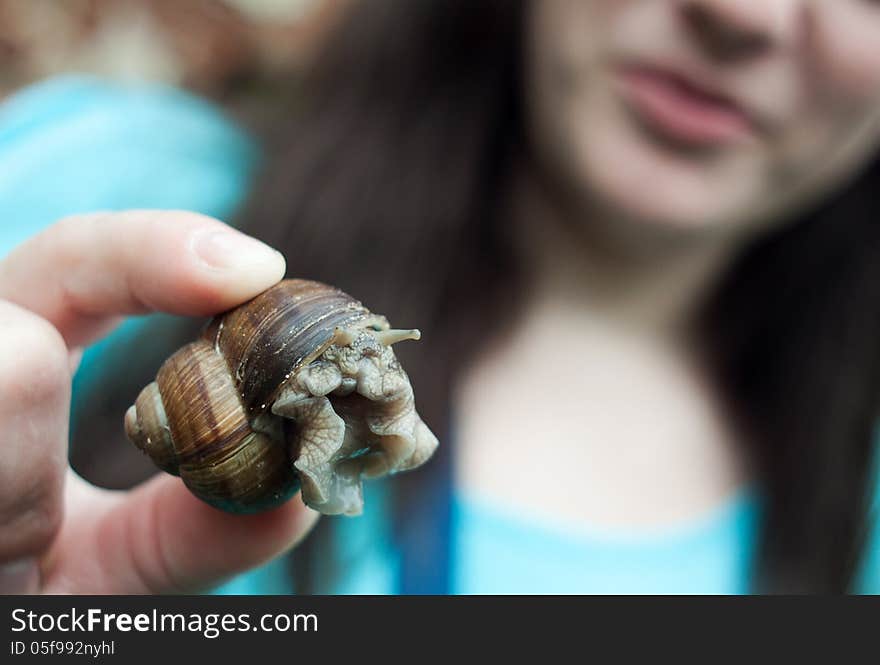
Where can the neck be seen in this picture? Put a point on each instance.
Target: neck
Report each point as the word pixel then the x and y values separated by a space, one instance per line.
pixel 652 283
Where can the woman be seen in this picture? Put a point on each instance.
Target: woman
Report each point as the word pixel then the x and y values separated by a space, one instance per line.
pixel 641 236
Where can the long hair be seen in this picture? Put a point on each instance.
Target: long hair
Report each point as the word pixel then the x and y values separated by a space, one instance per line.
pixel 386 181
pixel 792 332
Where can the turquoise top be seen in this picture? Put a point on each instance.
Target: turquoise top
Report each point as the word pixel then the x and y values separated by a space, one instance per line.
pixel 77 144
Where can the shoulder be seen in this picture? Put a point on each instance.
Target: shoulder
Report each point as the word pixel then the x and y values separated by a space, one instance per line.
pixel 77 144
pixel 868 580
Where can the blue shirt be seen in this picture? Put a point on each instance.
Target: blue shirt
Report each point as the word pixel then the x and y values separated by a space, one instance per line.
pixel 75 145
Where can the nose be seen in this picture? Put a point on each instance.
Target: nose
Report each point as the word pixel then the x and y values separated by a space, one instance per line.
pixel 737 30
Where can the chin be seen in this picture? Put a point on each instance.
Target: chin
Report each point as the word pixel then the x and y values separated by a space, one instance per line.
pixel 650 200
pixel 634 178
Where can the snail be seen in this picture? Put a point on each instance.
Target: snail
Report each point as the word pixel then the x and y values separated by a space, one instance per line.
pixel 297 389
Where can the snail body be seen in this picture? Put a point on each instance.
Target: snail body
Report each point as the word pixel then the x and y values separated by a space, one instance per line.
pixel 297 389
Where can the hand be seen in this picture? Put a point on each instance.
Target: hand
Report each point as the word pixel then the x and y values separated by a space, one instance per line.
pixel 58 291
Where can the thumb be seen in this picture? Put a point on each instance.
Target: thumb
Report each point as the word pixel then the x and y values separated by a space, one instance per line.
pixel 159 538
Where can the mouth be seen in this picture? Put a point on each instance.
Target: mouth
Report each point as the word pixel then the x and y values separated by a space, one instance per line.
pixel 682 109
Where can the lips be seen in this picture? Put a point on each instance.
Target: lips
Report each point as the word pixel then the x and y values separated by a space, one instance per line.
pixel 682 109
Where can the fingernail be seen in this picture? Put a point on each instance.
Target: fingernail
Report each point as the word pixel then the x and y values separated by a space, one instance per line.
pixel 17 577
pixel 231 250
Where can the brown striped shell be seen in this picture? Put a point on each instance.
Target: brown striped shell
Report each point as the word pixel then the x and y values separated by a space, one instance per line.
pixel 296 389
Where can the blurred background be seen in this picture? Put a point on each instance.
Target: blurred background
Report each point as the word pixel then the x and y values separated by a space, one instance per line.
pixel 224 49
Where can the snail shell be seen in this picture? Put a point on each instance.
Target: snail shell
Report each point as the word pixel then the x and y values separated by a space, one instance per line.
pixel 298 388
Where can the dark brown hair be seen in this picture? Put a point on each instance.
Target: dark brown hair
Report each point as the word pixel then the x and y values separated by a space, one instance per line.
pixel 387 180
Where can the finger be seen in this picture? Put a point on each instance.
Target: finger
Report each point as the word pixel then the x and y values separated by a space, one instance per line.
pixel 84 271
pixel 159 538
pixel 34 406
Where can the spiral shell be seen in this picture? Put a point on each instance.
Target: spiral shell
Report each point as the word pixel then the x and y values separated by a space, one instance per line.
pixel 297 389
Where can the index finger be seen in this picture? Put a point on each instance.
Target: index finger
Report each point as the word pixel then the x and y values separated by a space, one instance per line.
pixel 84 271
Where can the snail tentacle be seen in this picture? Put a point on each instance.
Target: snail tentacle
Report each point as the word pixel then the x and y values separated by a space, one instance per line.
pixel 389 337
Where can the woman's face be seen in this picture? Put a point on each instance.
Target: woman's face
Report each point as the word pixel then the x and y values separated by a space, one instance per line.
pixel 703 112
